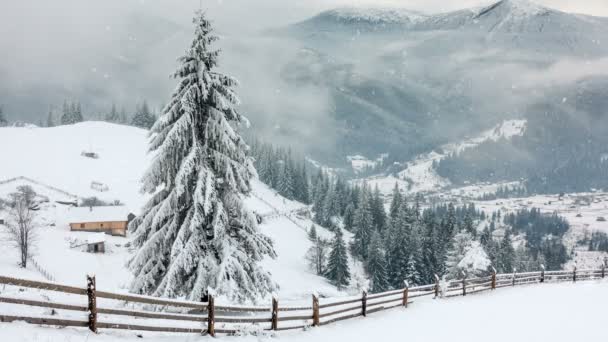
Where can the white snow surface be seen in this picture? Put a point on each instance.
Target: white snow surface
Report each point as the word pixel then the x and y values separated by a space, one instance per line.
pixel 53 156
pixel 549 312
pixel 51 159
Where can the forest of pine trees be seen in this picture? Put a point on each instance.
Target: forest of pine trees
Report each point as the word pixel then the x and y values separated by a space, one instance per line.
pixel 407 242
pixel 282 171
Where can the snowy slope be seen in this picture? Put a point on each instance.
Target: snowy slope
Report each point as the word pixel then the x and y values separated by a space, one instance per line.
pixel 53 156
pixel 533 313
pixel 419 175
pixel 50 158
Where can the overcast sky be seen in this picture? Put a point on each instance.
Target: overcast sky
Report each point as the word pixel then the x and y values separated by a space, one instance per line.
pixel 23 16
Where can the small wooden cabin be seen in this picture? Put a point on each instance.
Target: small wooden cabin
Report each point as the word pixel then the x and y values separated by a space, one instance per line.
pixel 96 243
pixel 112 220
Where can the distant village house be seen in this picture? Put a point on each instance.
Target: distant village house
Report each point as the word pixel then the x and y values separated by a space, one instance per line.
pixel 111 220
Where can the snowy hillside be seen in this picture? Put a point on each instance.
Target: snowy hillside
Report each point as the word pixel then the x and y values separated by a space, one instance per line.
pixel 419 175
pixel 51 160
pixel 54 156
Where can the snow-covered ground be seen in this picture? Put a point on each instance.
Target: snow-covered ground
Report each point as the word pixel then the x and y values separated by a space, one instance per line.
pixel 51 159
pixel 549 312
pixel 53 156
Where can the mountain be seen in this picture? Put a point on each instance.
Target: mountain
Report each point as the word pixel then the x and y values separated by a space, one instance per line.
pixel 357 81
pixel 402 83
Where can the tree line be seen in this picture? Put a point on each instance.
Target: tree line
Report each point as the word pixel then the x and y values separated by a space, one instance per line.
pixel 406 241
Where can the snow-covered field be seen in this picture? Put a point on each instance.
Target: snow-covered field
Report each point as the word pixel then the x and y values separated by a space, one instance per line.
pixel 51 158
pixel 550 312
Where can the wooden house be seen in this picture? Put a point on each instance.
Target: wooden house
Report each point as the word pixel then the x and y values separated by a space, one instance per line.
pixel 112 220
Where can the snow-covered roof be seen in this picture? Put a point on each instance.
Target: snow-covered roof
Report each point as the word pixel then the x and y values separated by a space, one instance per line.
pixel 96 238
pixel 98 214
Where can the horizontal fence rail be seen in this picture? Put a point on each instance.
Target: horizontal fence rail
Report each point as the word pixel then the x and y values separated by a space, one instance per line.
pixel 183 316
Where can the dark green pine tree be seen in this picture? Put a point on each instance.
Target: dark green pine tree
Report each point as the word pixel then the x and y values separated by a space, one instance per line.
pixel 363 224
pixel 376 265
pixel 468 225
pixel 378 212
pixel 349 217
pixel 338 271
pixel 506 255
pixel 395 202
pixel 398 246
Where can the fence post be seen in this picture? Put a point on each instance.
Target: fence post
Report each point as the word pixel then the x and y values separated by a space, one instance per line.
pixel 315 310
pixel 493 278
pixel 603 271
pixel 436 286
pixel 91 287
pixel 211 316
pixel 514 275
pixel 405 292
pixel 464 285
pixel 542 273
pixel 574 275
pixel 275 313
pixel 364 304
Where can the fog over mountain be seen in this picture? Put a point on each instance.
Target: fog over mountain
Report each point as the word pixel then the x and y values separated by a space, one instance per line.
pixel 328 79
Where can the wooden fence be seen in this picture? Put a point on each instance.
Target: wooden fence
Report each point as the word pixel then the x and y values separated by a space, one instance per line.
pixel 210 318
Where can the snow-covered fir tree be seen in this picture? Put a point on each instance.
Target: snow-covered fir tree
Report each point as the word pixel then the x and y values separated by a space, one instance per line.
pixel 395 202
pixel 338 271
pixel 363 225
pixel 195 232
pixel 506 255
pixel 376 265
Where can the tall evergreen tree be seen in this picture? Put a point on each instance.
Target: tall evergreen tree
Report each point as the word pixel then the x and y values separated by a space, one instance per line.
pixel 395 202
pixel 506 255
pixel 349 217
pixel 363 226
pixel 337 266
pixel 376 265
pixel 195 232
